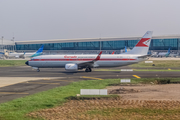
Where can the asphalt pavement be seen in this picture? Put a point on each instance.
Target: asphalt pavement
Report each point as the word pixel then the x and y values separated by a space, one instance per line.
pixel 49 78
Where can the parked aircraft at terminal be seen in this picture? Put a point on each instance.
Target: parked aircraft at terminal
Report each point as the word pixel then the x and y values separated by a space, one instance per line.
pixel 75 62
pixel 124 50
pixel 1 54
pixel 24 55
pixel 164 54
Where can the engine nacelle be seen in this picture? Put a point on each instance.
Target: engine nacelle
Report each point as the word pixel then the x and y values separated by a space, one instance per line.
pixel 71 67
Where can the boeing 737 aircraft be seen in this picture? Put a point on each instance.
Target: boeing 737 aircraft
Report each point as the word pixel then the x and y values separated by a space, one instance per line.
pixel 164 54
pixel 75 62
pixel 24 55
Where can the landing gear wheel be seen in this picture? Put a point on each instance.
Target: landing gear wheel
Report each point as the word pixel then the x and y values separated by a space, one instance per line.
pixel 38 70
pixel 88 70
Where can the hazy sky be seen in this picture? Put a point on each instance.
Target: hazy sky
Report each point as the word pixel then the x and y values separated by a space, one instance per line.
pixel 66 19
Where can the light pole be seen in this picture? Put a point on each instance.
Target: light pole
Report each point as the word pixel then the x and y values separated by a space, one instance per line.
pixel 2 44
pixel 13 43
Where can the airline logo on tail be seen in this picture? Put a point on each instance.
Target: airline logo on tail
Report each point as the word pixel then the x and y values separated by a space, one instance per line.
pixel 98 57
pixel 39 52
pixel 143 42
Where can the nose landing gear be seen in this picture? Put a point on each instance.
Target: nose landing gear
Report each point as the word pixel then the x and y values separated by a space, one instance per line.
pixel 38 70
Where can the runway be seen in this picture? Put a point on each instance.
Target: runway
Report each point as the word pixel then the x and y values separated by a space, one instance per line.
pixel 50 78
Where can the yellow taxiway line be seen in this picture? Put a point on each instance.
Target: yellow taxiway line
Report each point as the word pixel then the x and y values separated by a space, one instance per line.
pixel 58 80
pixel 41 83
pixel 91 78
pixel 12 93
pixel 136 76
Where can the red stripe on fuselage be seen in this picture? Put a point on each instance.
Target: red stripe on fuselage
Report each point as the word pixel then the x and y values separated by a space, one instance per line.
pixel 124 59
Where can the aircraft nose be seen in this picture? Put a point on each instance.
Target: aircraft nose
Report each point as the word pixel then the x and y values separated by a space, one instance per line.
pixel 27 62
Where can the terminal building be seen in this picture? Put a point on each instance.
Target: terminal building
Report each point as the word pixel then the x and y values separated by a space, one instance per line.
pixel 94 45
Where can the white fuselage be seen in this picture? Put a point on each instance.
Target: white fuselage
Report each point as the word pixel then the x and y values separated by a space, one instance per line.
pixel 162 54
pixel 15 55
pixel 20 55
pixel 58 61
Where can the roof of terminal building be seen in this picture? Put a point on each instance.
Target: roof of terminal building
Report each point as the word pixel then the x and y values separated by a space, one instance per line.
pixel 6 42
pixel 89 39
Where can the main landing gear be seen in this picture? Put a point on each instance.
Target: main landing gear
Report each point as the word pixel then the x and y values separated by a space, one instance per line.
pixel 88 69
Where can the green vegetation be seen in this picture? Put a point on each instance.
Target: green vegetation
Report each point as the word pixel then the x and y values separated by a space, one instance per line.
pixel 135 113
pixel 7 63
pixel 158 63
pixel 18 108
pixel 169 70
pixel 83 97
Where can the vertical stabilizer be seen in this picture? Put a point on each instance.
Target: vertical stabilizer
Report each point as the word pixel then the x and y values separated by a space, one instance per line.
pixel 169 50
pixel 125 49
pixel 142 46
pixel 40 50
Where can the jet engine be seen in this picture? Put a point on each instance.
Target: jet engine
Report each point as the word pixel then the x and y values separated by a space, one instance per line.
pixel 71 67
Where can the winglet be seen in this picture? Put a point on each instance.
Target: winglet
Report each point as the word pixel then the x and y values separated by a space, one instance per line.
pixel 113 53
pixel 98 57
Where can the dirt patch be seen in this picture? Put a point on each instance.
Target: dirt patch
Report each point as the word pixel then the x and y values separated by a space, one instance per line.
pixel 122 90
pixel 145 102
pixel 112 110
pixel 147 92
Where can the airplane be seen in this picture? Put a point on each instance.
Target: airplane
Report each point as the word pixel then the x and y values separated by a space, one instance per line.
pixel 164 54
pixel 125 49
pixel 76 62
pixel 24 55
pixel 1 54
pixel 114 52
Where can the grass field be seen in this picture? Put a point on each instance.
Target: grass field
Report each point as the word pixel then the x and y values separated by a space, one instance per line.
pixel 169 70
pixel 158 63
pixel 7 63
pixel 19 108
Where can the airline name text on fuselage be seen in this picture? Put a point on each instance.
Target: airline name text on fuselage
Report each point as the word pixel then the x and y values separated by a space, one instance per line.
pixel 78 56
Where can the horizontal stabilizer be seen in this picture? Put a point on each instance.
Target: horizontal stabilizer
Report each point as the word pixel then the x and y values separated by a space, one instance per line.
pixel 144 56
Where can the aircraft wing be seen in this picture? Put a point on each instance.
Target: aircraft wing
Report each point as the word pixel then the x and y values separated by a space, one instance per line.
pixel 90 63
pixel 144 56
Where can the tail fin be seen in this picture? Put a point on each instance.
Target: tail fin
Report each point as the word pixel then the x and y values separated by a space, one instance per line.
pixel 169 50
pixel 98 57
pixel 125 49
pixel 40 50
pixel 113 53
pixel 142 46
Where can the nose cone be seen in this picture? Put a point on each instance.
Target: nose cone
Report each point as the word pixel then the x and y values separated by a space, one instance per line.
pixel 27 62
